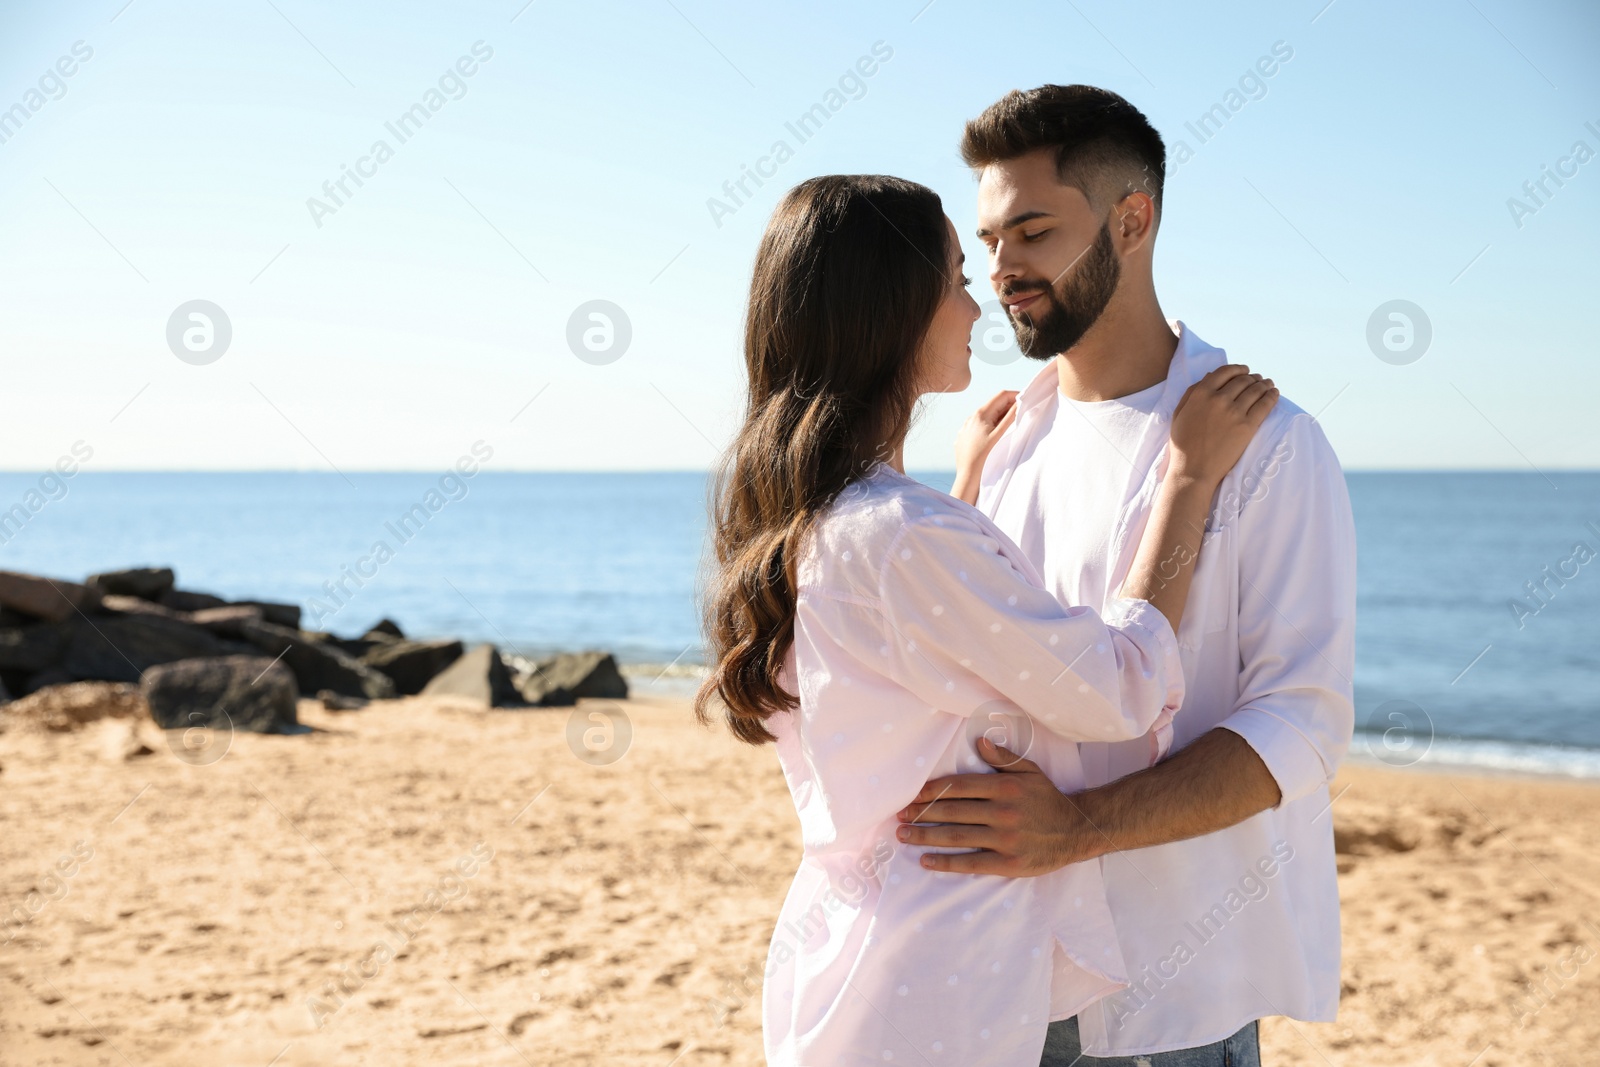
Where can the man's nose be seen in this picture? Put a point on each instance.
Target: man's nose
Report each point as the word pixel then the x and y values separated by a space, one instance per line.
pixel 1002 266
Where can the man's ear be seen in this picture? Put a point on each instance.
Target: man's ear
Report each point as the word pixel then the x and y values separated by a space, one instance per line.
pixel 1133 220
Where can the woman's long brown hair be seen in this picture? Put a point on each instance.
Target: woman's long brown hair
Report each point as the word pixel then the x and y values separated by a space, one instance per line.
pixel 847 279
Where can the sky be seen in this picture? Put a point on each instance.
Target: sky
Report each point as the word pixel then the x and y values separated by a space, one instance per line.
pixel 577 153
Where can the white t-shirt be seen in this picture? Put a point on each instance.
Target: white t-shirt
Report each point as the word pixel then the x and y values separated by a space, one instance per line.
pixel 1076 482
pixel 1268 649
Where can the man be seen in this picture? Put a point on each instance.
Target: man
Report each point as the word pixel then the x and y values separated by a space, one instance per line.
pixel 1218 862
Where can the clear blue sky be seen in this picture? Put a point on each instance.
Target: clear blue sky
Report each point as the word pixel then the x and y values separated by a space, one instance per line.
pixel 175 163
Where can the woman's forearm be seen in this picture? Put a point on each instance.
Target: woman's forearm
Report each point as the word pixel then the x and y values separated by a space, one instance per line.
pixel 1164 565
pixel 966 487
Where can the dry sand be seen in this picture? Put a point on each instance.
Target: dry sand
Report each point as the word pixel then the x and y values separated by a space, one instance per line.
pixel 624 914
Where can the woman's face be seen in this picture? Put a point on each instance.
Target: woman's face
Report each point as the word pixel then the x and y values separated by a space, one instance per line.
pixel 947 349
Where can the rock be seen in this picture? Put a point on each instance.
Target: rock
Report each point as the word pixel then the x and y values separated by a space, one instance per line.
pixel 120 648
pixel 383 628
pixel 183 600
pixel 479 675
pixel 226 620
pixel 34 648
pixel 225 693
pixel 118 604
pixel 278 614
pixel 45 679
pixel 318 666
pixel 332 701
pixel 45 598
pixel 5 694
pixel 146 583
pixel 563 680
pixel 412 664
pixel 68 708
pixel 354 647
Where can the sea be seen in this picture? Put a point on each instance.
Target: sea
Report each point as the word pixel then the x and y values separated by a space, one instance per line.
pixel 1478 625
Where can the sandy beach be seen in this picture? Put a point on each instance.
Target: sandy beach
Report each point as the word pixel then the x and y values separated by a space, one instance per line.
pixel 434 884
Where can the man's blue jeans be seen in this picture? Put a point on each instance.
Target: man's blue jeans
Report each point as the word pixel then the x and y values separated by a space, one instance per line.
pixel 1243 1049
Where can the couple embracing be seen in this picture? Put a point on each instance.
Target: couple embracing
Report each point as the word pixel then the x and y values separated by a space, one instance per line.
pixel 1060 741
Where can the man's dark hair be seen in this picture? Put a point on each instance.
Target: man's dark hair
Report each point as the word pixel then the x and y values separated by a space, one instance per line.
pixel 1104 146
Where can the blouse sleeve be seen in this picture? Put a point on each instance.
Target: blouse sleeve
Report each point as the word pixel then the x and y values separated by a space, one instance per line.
pixel 966 626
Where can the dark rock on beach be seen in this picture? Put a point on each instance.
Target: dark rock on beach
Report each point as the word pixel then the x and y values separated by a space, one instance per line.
pixel 563 680
pixel 127 626
pixel 45 598
pixel 227 620
pixel 317 665
pixel 354 647
pixel 146 583
pixel 31 649
pixel 479 675
pixel 50 676
pixel 249 693
pixel 119 648
pixel 275 613
pixel 412 664
pixel 184 600
pixel 122 604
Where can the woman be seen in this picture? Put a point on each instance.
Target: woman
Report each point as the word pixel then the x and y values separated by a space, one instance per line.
pixel 875 629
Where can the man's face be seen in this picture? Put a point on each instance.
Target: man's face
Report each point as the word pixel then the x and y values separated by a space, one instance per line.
pixel 1051 258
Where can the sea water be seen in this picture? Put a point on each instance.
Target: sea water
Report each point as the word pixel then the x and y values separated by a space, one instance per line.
pixel 1478 625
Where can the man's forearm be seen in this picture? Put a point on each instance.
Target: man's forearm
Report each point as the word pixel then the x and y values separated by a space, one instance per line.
pixel 1214 782
pixel 1017 823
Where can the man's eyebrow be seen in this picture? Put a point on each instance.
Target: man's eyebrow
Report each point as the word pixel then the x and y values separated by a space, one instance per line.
pixel 1017 220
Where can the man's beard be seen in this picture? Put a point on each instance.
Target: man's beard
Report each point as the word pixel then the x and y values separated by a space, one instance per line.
pixel 1071 309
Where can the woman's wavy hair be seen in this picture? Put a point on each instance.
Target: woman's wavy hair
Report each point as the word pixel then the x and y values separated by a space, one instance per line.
pixel 847 279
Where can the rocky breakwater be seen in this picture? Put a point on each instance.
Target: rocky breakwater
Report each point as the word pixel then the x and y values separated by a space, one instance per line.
pixel 195 659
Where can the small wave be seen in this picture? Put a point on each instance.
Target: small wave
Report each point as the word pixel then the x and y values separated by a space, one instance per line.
pixel 1512 757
